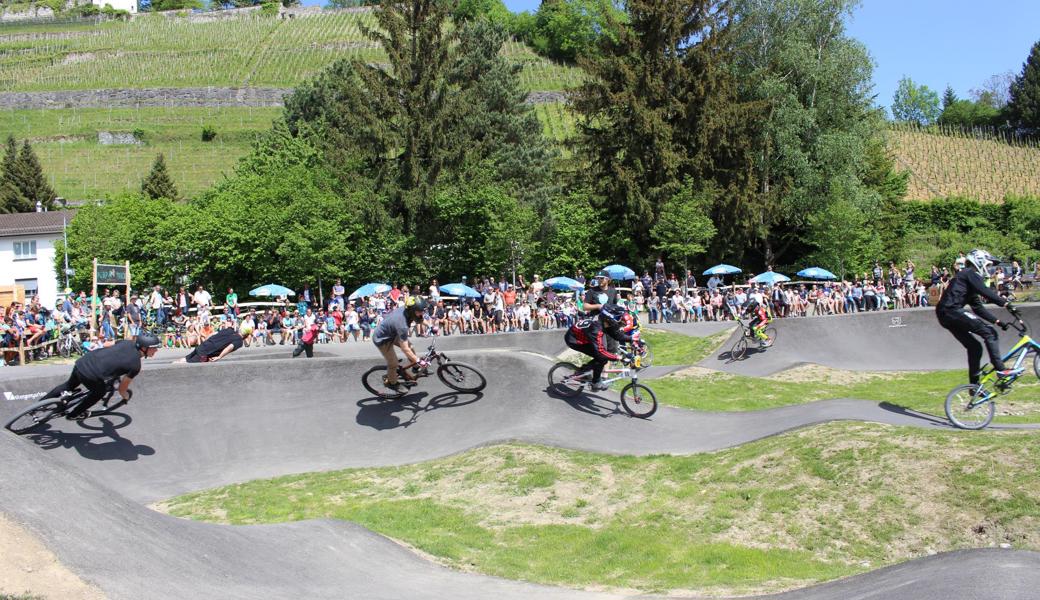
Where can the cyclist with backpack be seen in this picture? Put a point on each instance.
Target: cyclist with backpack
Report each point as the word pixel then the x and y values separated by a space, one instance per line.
pixel 95 369
pixel 588 336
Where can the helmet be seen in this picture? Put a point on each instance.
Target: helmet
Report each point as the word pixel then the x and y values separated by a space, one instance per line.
pixel 147 340
pixel 611 314
pixel 980 259
pixel 417 306
pixel 751 303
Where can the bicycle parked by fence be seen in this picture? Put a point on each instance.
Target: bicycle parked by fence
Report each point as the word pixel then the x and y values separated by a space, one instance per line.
pixel 44 410
pixel 638 400
pixel 459 376
pixel 972 405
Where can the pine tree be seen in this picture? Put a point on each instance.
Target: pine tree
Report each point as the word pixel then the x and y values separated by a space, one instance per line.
pixel 1025 92
pixel 31 183
pixel 11 199
pixel 949 97
pixel 158 183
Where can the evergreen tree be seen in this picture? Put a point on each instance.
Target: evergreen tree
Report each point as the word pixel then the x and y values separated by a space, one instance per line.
pixel 29 179
pixel 659 105
pixel 158 183
pixel 11 199
pixel 949 97
pixel 1025 92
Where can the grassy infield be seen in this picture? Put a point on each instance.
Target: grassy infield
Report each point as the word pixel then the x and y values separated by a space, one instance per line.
pixel 807 506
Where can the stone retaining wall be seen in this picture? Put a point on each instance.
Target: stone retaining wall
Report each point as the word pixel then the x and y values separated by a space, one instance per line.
pixel 200 97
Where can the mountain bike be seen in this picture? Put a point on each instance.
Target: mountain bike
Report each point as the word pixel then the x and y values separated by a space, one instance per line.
pixel 972 405
pixel 460 377
pixel 44 410
pixel 638 400
pixel 748 337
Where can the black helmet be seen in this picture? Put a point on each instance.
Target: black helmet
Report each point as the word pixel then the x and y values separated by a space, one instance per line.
pixel 147 340
pixel 417 306
pixel 751 303
pixel 611 314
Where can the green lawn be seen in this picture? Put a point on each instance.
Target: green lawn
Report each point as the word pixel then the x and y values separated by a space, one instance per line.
pixel 79 167
pixel 783 512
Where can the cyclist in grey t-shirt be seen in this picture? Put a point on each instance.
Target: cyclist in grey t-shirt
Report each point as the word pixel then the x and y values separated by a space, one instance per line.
pixel 393 331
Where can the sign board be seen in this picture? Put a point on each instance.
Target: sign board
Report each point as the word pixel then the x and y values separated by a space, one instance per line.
pixel 111 274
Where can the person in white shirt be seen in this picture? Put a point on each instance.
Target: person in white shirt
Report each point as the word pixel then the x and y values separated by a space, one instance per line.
pixel 523 316
pixel 537 286
pixel 435 291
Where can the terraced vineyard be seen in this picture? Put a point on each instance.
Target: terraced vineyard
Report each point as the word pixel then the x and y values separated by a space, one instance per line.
pixel 944 164
pixel 153 52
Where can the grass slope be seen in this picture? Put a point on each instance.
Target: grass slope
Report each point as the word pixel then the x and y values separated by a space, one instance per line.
pixel 783 512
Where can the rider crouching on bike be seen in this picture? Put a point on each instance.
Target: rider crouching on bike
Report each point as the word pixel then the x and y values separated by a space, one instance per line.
pixel 588 337
pixel 393 331
pixel 759 319
pixel 95 369
pixel 965 290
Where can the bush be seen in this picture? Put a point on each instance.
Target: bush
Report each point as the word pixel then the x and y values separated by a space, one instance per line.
pixel 139 134
pixel 208 133
pixel 269 9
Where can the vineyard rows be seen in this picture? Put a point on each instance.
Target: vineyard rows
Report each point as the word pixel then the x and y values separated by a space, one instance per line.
pixel 952 163
pixel 264 52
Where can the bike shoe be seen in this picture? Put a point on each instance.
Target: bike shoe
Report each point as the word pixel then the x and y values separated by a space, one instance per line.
pixel 598 386
pixel 1009 373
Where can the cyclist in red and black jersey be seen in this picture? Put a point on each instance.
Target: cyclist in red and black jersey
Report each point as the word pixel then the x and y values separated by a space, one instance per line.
pixel 588 336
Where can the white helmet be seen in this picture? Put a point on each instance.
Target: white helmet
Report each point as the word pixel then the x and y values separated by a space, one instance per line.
pixel 980 260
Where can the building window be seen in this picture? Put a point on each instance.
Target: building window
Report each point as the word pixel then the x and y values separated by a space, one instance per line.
pixel 25 250
pixel 30 286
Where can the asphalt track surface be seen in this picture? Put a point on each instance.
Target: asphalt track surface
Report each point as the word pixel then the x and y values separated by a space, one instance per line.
pixel 84 488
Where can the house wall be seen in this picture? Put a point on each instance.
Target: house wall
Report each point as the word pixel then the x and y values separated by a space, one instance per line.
pixel 41 268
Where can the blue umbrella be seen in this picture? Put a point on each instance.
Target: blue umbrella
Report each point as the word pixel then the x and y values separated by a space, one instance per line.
pixel 369 289
pixel 723 270
pixel 769 277
pixel 565 284
pixel 816 273
pixel 461 290
pixel 620 272
pixel 272 289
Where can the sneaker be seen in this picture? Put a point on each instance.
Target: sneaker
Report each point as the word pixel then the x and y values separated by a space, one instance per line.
pixel 1009 373
pixel 599 386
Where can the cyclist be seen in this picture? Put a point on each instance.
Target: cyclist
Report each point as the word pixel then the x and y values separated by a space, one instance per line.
pixel 225 341
pixel 588 337
pixel 759 319
pixel 95 369
pixel 393 331
pixel 965 290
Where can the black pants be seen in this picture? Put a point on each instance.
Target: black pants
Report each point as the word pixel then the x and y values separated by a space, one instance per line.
pixel 97 390
pixel 962 325
pixel 599 360
pixel 301 348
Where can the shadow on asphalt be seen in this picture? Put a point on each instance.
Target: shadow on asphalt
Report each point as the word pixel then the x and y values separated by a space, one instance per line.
pixel 91 445
pixel 727 356
pixel 588 403
pixel 384 414
pixel 906 412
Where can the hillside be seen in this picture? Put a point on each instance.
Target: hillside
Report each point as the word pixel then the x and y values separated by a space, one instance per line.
pixel 950 163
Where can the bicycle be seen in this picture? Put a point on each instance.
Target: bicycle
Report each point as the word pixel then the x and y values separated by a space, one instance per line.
pixel 740 348
pixel 459 376
pixel 972 405
pixel 638 400
pixel 69 341
pixel 42 411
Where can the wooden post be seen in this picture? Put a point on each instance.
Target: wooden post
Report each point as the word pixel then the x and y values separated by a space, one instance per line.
pixel 126 329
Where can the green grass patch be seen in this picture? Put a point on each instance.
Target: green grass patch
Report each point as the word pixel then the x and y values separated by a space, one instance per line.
pixel 677 349
pixel 924 392
pixel 783 512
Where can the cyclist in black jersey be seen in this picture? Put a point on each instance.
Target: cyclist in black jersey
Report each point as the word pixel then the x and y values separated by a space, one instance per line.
pixel 95 369
pixel 588 336
pixel 966 289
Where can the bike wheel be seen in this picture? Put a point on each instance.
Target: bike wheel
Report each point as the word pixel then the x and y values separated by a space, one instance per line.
pixel 739 349
pixel 37 414
pixel 461 377
pixel 965 411
pixel 770 336
pixel 638 400
pixel 563 381
pixel 64 347
pixel 373 382
pixel 1036 364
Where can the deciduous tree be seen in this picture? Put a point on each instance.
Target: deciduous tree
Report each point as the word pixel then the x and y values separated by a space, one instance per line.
pixel 914 103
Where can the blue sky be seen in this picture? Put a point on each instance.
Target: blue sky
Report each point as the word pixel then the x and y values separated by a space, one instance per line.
pixel 935 42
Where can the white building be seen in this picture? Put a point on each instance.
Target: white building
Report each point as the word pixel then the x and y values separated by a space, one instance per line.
pixel 129 6
pixel 27 252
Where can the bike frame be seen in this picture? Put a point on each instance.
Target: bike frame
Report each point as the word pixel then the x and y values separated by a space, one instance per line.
pixel 1022 348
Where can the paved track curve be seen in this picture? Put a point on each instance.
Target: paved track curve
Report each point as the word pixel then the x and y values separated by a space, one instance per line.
pixel 83 490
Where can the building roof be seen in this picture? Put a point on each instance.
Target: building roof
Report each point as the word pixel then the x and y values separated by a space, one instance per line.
pixel 33 223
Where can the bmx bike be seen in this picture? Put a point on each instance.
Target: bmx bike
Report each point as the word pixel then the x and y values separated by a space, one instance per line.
pixel 972 405
pixel 42 411
pixel 459 376
pixel 748 337
pixel 638 400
